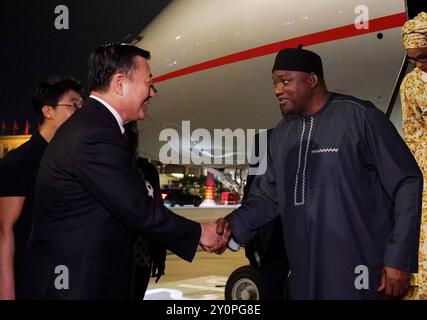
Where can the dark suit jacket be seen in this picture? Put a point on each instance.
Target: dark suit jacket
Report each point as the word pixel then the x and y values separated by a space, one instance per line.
pixel 90 203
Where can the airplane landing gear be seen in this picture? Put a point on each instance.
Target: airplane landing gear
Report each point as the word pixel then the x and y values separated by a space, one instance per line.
pixel 243 284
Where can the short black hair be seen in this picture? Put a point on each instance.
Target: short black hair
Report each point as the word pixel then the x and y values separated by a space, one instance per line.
pixel 109 59
pixel 51 90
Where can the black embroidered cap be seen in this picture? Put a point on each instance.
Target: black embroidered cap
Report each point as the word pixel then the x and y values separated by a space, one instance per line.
pixel 293 59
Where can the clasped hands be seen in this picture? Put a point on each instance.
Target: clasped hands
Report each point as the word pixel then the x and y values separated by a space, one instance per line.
pixel 215 236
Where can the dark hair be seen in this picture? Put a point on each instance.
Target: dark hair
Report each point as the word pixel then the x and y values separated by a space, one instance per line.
pixel 51 90
pixel 109 59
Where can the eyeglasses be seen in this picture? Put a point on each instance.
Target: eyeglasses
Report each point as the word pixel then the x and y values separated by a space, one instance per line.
pixel 70 105
pixel 420 59
pixel 152 87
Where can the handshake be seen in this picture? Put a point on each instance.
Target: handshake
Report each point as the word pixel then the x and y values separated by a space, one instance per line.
pixel 215 236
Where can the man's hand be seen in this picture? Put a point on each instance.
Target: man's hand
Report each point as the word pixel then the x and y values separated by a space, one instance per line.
pixel 211 241
pixel 158 269
pixel 158 257
pixel 395 282
pixel 224 230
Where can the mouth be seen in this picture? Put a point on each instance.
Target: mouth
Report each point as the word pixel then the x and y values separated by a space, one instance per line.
pixel 283 101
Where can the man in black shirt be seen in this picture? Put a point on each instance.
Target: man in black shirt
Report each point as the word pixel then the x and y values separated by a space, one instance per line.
pixel 55 101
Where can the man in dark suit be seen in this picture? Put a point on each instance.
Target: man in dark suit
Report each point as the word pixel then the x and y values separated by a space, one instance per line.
pixel 90 198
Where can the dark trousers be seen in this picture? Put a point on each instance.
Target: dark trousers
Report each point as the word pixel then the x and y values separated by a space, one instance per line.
pixel 274 272
pixel 142 278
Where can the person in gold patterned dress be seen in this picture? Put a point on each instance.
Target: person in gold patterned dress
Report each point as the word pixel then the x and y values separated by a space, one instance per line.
pixel 413 92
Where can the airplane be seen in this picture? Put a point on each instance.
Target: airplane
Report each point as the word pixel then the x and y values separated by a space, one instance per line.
pixel 212 61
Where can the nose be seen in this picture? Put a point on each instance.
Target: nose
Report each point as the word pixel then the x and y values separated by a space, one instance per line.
pixel 419 64
pixel 153 90
pixel 278 90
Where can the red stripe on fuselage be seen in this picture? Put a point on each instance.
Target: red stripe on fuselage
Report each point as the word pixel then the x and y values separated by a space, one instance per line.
pixel 375 25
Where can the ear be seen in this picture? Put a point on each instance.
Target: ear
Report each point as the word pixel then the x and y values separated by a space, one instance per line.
pixel 313 80
pixel 48 112
pixel 117 84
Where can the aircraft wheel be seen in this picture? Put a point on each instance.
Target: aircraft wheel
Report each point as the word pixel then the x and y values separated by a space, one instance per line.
pixel 243 284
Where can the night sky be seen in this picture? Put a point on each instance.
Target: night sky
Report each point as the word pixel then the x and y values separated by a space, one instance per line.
pixel 33 49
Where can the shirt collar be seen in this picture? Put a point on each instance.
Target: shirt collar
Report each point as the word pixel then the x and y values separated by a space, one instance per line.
pixel 112 110
pixel 39 138
pixel 424 76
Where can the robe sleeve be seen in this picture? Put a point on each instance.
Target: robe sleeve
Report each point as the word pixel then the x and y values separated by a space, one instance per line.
pixel 402 181
pixel 260 207
pixel 412 87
